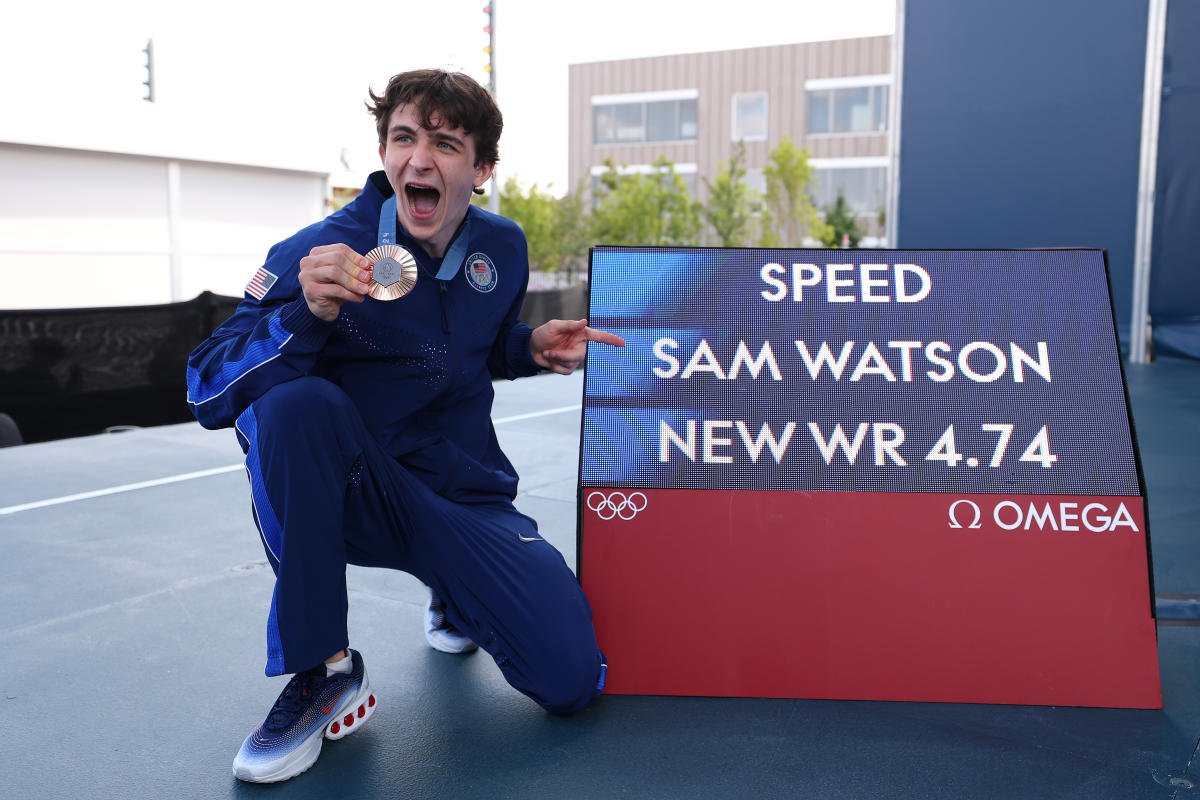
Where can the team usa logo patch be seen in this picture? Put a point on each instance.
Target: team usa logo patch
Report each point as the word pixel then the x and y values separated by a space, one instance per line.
pixel 481 272
pixel 261 283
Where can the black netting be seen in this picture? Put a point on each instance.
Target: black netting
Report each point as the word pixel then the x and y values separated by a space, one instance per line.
pixel 73 372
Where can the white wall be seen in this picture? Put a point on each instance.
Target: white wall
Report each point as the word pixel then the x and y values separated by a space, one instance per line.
pixel 81 228
pixel 230 216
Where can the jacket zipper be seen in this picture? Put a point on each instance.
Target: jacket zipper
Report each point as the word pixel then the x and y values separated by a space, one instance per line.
pixel 442 303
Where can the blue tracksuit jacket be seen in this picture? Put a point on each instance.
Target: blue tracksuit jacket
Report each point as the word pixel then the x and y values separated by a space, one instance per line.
pixel 415 480
pixel 419 369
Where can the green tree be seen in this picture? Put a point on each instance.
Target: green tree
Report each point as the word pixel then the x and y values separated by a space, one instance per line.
pixel 535 212
pixel 573 234
pixel 788 211
pixel 840 220
pixel 554 228
pixel 653 208
pixel 731 203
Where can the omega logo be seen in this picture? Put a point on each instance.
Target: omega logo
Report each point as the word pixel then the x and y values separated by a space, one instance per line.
pixel 954 523
pixel 1056 516
pixel 617 504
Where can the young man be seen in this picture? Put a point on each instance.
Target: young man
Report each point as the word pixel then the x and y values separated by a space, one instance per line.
pixel 367 430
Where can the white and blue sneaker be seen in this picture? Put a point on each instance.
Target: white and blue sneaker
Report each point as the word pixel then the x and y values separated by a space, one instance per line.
pixel 440 634
pixel 312 707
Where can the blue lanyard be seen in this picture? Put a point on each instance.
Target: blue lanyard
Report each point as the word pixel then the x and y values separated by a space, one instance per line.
pixel 455 256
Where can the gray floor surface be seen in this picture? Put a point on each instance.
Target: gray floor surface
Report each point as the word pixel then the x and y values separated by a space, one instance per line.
pixel 132 628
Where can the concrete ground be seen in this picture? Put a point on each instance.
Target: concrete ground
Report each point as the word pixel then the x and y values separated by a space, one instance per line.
pixel 132 621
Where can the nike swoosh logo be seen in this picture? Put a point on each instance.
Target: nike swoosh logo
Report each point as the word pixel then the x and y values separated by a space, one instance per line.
pixel 529 539
pixel 332 703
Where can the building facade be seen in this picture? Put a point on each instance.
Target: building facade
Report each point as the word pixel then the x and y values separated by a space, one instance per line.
pixel 830 97
pixel 81 228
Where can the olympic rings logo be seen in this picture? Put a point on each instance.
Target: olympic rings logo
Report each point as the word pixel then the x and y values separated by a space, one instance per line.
pixel 617 504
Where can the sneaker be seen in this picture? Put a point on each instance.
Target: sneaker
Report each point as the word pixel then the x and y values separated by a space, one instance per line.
pixel 312 707
pixel 440 634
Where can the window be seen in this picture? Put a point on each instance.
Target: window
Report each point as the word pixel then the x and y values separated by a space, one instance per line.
pixel 755 180
pixel 863 181
pixel 750 117
pixel 687 119
pixel 848 105
pixel 662 122
pixel 629 124
pixel 818 111
pixel 647 117
pixel 686 172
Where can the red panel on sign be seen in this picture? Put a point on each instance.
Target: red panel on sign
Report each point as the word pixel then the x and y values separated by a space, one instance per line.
pixel 1022 599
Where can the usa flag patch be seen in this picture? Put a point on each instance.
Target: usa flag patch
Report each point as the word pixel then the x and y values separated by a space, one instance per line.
pixel 261 283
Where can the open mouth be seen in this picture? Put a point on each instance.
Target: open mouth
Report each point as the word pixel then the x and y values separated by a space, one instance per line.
pixel 422 200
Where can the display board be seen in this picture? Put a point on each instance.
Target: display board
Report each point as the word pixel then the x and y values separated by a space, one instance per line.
pixel 869 474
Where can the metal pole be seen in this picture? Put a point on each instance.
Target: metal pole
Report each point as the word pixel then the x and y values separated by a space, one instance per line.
pixel 892 205
pixel 174 219
pixel 494 196
pixel 1156 31
pixel 149 82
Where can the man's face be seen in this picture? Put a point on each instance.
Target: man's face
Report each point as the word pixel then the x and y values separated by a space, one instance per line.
pixel 432 172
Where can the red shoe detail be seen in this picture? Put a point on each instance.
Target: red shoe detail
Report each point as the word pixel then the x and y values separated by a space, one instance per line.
pixel 371 701
pixel 349 720
pixel 362 711
pixel 328 708
pixel 335 728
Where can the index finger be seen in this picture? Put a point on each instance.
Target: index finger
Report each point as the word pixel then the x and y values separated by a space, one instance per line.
pixel 603 337
pixel 350 261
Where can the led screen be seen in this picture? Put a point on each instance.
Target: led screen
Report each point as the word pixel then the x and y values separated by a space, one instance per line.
pixel 973 371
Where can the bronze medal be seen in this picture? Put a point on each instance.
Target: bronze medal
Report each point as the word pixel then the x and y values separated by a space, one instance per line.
pixel 393 274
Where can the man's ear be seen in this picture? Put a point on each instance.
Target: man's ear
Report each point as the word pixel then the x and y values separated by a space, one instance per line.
pixel 381 152
pixel 483 171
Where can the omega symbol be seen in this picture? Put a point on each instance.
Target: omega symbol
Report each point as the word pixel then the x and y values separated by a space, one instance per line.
pixel 954 523
pixel 617 504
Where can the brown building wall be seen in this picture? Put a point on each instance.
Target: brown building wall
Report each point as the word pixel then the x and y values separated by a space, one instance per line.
pixel 780 71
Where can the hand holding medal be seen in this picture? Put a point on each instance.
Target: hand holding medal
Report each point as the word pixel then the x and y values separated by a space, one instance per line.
pixel 393 272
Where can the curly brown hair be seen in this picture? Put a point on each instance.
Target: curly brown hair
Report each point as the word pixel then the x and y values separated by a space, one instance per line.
pixel 445 98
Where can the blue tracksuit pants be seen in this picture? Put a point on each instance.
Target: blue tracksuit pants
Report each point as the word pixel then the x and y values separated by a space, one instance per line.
pixel 326 494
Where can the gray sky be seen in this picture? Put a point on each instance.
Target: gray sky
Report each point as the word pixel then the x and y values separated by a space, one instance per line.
pixel 284 83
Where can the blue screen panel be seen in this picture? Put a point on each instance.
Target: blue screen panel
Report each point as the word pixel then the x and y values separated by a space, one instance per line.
pixel 960 371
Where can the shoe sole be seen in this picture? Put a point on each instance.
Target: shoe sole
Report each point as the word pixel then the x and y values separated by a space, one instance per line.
pixel 465 645
pixel 350 718
pixel 441 647
pixel 353 716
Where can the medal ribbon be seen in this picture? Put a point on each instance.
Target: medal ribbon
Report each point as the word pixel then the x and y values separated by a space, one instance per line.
pixel 455 256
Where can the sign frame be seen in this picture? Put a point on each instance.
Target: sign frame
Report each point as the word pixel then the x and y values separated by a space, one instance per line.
pixel 1004 688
